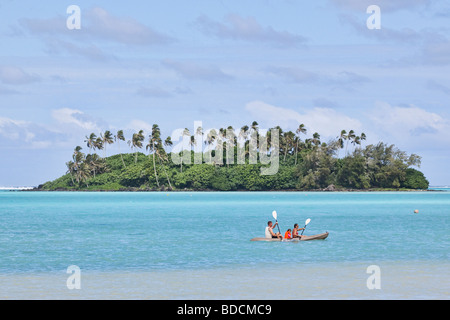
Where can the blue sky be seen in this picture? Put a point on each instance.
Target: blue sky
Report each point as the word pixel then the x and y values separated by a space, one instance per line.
pixel 224 63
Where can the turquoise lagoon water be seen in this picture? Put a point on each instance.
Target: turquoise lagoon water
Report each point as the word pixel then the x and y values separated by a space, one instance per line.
pixel 196 245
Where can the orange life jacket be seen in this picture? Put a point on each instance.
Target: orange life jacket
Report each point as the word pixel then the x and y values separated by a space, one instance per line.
pixel 287 235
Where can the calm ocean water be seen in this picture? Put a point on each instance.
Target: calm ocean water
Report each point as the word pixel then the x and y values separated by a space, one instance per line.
pixel 167 237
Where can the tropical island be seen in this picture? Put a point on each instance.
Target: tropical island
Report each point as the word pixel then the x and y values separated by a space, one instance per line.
pixel 304 163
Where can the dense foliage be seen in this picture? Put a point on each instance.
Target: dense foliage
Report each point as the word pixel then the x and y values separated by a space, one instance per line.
pixel 303 165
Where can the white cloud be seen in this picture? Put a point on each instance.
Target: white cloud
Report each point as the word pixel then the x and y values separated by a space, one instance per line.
pixel 77 118
pixel 23 134
pixel 68 129
pixel 90 51
pixel 194 71
pixel 410 125
pixel 122 29
pixel 247 29
pixel 15 75
pixel 98 27
pixel 385 34
pixel 98 24
pixel 298 75
pixel 293 74
pixel 325 121
pixel 51 26
pixel 137 125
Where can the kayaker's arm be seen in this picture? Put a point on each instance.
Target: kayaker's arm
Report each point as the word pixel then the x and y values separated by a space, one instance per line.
pixel 272 232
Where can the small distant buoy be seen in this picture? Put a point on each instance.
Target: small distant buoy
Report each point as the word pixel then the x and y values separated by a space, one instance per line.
pixel 416 211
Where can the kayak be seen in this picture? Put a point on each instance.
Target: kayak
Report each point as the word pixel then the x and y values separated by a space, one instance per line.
pixel 304 238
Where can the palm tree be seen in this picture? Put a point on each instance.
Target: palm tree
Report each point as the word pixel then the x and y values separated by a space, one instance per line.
pixel 107 138
pixel 79 166
pixel 351 135
pixel 231 141
pixel 164 158
pixel 269 139
pixel 154 143
pixel 343 136
pixel 308 144
pixel 136 142
pixel 243 151
pixel 91 141
pixel 96 164
pixel 71 170
pixel 272 143
pixel 244 132
pixel 363 136
pixel 316 139
pixel 210 138
pixel 280 135
pixel 77 158
pixel 196 140
pixel 287 142
pixel 221 145
pixel 301 129
pixel 119 136
pixel 254 126
pixel 168 142
pixel 192 142
pixel 84 173
pixel 186 133
pixel 199 132
pixel 92 163
pixel 253 141
pixel 98 144
pixel 356 141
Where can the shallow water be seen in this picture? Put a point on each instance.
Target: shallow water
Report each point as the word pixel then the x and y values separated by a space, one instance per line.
pixel 196 245
pixel 398 280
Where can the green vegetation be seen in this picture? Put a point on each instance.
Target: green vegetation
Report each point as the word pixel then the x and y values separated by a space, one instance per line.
pixel 308 164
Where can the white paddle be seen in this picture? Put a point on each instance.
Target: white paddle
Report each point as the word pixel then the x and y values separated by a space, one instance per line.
pixel 274 215
pixel 306 223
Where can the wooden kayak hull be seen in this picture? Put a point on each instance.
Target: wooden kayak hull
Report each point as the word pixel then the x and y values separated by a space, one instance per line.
pixel 321 236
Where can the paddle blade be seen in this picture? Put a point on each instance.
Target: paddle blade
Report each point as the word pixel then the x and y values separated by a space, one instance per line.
pixel 274 215
pixel 307 221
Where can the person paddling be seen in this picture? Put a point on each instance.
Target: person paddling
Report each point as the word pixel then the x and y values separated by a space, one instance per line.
pixel 269 231
pixel 295 231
